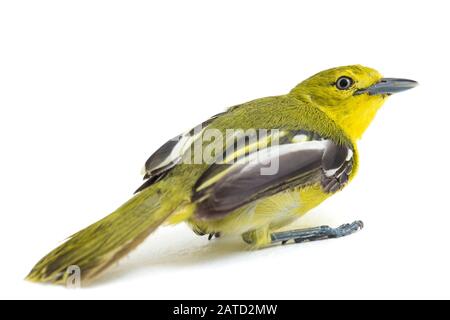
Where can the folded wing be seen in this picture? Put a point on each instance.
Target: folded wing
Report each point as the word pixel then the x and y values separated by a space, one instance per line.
pixel 299 159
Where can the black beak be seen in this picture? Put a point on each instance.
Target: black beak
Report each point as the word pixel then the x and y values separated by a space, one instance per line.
pixel 388 86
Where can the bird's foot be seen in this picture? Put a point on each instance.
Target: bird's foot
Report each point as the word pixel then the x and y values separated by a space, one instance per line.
pixel 316 233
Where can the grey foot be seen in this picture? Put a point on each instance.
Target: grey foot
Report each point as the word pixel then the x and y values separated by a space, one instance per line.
pixel 317 233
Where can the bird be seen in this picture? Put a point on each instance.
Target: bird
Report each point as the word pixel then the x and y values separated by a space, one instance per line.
pixel 249 171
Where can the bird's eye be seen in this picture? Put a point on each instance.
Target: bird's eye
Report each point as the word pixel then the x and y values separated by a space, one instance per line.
pixel 343 83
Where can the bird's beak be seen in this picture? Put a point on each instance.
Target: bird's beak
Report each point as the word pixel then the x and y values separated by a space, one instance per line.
pixel 388 86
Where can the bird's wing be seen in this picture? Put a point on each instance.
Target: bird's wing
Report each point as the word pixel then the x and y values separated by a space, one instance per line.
pixel 299 158
pixel 170 154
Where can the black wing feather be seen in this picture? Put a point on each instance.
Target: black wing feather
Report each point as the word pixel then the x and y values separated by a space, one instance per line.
pixel 244 183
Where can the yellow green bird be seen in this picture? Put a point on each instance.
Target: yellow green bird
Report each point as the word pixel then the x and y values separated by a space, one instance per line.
pixel 250 170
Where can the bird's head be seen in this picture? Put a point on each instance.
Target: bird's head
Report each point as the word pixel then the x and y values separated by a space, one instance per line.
pixel 350 95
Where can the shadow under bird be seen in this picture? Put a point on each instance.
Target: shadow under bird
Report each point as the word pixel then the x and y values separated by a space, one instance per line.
pixel 297 150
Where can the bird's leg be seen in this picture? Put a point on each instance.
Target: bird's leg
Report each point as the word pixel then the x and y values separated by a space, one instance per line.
pixel 316 233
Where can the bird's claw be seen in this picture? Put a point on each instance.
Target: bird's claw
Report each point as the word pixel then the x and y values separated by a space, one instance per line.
pixel 215 234
pixel 349 228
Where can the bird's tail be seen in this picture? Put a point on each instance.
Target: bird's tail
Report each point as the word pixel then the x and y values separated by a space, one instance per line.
pixel 98 246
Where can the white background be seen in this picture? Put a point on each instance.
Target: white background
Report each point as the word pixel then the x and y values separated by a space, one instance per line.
pixel 89 89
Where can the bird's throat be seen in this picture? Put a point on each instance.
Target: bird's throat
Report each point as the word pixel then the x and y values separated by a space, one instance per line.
pixel 354 117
